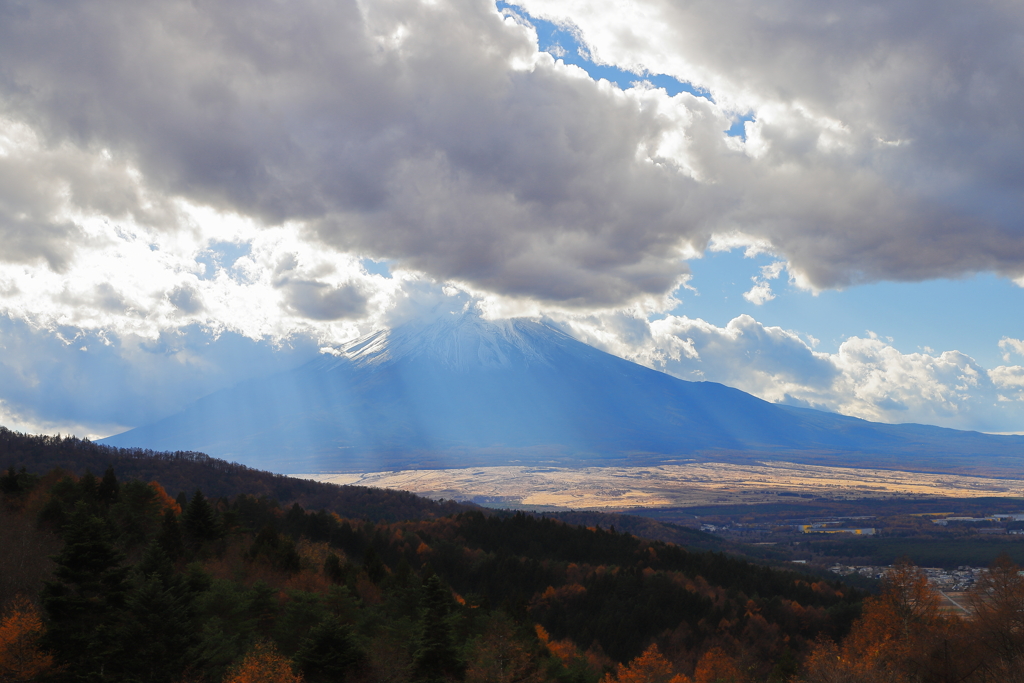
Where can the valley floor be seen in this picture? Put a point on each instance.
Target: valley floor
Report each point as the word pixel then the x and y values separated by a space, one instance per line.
pixel 683 485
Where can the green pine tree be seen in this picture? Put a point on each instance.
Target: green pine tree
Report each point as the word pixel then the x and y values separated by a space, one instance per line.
pixel 86 604
pixel 199 521
pixel 161 623
pixel 108 489
pixel 330 652
pixel 169 537
pixel 436 659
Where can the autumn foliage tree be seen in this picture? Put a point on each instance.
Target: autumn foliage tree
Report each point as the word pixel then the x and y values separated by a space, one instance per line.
pixel 716 666
pixel 263 664
pixel 902 636
pixel 997 624
pixel 650 667
pixel 500 657
pixel 21 656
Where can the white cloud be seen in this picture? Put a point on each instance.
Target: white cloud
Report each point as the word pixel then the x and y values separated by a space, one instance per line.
pixel 884 142
pixel 440 136
pixel 865 377
pixel 759 293
pixel 435 135
pixel 762 289
pixel 1009 346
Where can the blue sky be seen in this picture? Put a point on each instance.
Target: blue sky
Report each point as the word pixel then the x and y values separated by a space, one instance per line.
pixel 783 198
pixel 970 314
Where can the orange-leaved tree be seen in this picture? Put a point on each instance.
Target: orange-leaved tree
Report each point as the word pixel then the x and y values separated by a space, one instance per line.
pixel 649 667
pixel 902 635
pixel 716 666
pixel 21 657
pixel 997 623
pixel 263 664
pixel 500 656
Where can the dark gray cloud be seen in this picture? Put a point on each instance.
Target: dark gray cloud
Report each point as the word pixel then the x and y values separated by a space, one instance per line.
pixel 186 299
pixel 887 141
pixel 320 301
pixel 398 129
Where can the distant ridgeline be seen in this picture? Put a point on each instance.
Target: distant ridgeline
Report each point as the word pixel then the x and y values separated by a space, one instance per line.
pixel 234 588
pixel 188 471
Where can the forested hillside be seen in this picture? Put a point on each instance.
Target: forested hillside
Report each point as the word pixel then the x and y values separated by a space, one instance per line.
pixel 114 579
pixel 187 471
pixel 146 587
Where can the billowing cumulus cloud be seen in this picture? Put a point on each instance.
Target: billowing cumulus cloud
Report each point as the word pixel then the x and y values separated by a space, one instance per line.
pixel 867 377
pixel 431 133
pixel 885 142
pixel 438 136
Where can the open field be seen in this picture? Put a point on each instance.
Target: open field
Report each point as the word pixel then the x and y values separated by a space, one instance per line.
pixel 688 484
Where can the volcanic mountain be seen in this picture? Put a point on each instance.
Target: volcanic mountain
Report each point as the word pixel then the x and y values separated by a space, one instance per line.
pixel 461 391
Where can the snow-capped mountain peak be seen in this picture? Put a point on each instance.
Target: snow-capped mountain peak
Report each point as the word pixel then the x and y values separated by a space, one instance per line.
pixel 458 341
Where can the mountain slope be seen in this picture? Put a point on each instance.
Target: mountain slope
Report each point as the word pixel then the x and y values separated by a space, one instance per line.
pixel 462 391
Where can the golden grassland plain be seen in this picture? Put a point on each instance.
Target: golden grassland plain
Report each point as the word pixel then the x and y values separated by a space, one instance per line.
pixel 682 485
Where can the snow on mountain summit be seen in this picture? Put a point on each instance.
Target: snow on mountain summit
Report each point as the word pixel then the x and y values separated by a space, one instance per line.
pixel 459 341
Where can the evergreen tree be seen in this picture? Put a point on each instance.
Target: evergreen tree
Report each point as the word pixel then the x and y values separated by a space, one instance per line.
pixel 200 521
pixel 169 536
pixel 86 604
pixel 88 490
pixel 279 552
pixel 160 626
pixel 374 566
pixel 436 659
pixel 330 652
pixel 295 521
pixel 15 483
pixel 334 569
pixel 108 489
pixel 9 482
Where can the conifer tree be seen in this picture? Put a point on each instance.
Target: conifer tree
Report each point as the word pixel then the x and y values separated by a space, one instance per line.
pixel 330 652
pixel 108 489
pixel 15 483
pixel 334 569
pixel 200 521
pixel 86 603
pixel 437 657
pixel 279 552
pixel 170 537
pixel 9 482
pixel 88 489
pixel 160 626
